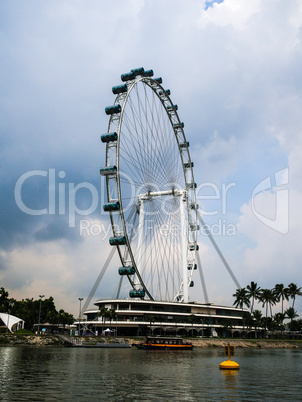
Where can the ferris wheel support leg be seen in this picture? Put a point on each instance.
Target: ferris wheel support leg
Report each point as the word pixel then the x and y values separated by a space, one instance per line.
pixel 182 201
pixel 203 283
pixel 218 251
pixel 98 280
pixel 140 235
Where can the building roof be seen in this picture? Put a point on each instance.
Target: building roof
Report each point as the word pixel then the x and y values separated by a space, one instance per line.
pixel 10 320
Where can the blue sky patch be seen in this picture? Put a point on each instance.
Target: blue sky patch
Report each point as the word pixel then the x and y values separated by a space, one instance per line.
pixel 209 3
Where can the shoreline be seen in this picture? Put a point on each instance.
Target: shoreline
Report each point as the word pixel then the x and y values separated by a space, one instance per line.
pixel 14 340
pixel 248 343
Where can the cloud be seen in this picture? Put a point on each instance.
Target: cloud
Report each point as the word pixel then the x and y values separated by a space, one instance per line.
pixel 235 76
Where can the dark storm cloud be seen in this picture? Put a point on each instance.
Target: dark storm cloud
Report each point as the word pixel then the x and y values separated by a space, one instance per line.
pixel 56 231
pixel 49 121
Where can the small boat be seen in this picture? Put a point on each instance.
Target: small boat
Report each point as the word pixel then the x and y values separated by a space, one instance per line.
pixel 164 343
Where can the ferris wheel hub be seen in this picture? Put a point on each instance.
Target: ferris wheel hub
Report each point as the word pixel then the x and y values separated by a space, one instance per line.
pixel 152 194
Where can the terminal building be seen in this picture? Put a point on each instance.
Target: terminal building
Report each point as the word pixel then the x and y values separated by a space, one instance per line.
pixel 136 317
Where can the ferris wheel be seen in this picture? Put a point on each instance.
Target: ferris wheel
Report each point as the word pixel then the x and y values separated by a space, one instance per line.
pixel 151 195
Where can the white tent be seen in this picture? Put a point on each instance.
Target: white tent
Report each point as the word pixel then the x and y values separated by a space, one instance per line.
pixel 10 321
pixel 107 331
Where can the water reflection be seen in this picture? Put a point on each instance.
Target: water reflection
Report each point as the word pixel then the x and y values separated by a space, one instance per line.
pixel 230 377
pixel 126 374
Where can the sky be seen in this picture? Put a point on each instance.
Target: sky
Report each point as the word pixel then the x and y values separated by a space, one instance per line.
pixel 234 70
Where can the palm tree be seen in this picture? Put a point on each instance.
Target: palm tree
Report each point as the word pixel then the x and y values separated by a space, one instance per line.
pixel 103 313
pixel 192 319
pixel 111 314
pixel 291 313
pixel 268 299
pixel 151 319
pixel 293 291
pixel 281 292
pixel 253 291
pixel 227 327
pixel 241 299
pixel 257 316
pixel 278 321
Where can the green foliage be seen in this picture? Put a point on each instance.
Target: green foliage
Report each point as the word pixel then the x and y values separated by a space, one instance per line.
pixel 291 313
pixel 4 301
pixel 28 310
pixel 253 292
pixel 241 298
pixel 268 298
pixel 295 325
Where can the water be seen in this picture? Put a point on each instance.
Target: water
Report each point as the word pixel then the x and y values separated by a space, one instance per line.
pixel 50 374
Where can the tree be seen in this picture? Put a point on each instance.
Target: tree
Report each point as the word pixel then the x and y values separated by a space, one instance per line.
pixel 111 314
pixel 48 311
pixel 281 292
pixel 103 313
pixel 248 319
pixel 241 298
pixel 278 321
pixel 257 317
pixel 295 325
pixel 150 319
pixel 253 291
pixel 64 318
pixel 227 327
pixel 192 319
pixel 4 300
pixel 293 291
pixel 291 313
pixel 28 310
pixel 268 299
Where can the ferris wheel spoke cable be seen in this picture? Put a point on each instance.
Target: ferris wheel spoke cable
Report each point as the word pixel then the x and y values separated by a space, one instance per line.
pixel 134 161
pixel 158 147
pixel 140 150
pixel 158 251
pixel 134 143
pixel 144 133
pixel 165 253
pixel 149 127
pixel 137 151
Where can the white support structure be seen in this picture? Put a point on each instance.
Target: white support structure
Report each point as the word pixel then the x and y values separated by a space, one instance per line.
pixel 152 194
pixel 183 197
pixel 182 201
pixel 140 233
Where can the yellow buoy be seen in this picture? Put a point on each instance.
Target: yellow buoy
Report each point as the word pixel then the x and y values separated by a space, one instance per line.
pixel 229 364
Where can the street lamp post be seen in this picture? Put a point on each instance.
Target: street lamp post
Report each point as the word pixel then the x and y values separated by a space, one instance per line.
pixel 80 312
pixel 41 297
